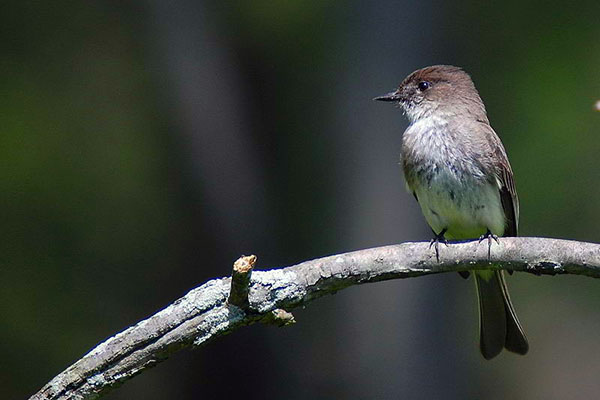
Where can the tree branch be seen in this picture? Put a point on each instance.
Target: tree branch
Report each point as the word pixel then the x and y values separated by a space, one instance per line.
pixel 240 282
pixel 205 314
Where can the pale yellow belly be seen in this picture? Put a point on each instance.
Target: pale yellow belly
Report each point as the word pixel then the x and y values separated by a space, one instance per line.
pixel 465 212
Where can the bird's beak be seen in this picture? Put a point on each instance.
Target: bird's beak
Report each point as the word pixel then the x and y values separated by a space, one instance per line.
pixel 392 96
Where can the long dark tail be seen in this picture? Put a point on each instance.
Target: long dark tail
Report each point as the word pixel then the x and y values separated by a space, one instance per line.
pixel 498 323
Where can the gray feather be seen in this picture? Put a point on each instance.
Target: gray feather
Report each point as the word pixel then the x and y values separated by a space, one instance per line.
pixel 499 327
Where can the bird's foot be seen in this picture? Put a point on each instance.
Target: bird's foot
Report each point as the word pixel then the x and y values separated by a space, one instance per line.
pixel 489 236
pixel 435 242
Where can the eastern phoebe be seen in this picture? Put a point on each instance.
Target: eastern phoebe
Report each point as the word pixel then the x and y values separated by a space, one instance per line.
pixel 457 169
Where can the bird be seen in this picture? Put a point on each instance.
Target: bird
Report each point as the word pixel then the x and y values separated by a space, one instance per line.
pixel 457 169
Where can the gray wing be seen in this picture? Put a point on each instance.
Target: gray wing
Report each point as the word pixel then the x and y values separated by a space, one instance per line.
pixel 510 203
pixel 506 184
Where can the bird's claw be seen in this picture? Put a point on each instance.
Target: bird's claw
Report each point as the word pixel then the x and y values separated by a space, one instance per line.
pixel 489 236
pixel 435 242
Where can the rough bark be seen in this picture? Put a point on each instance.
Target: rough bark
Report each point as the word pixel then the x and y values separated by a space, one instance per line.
pixel 205 313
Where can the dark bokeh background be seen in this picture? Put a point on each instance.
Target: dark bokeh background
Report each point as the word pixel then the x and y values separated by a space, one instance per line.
pixel 145 145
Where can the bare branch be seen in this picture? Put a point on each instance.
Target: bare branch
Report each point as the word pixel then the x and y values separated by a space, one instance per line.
pixel 204 313
pixel 240 281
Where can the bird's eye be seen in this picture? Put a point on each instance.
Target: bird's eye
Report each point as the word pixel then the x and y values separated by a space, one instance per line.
pixel 424 85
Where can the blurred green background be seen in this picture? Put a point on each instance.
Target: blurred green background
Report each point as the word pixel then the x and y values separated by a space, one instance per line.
pixel 145 145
